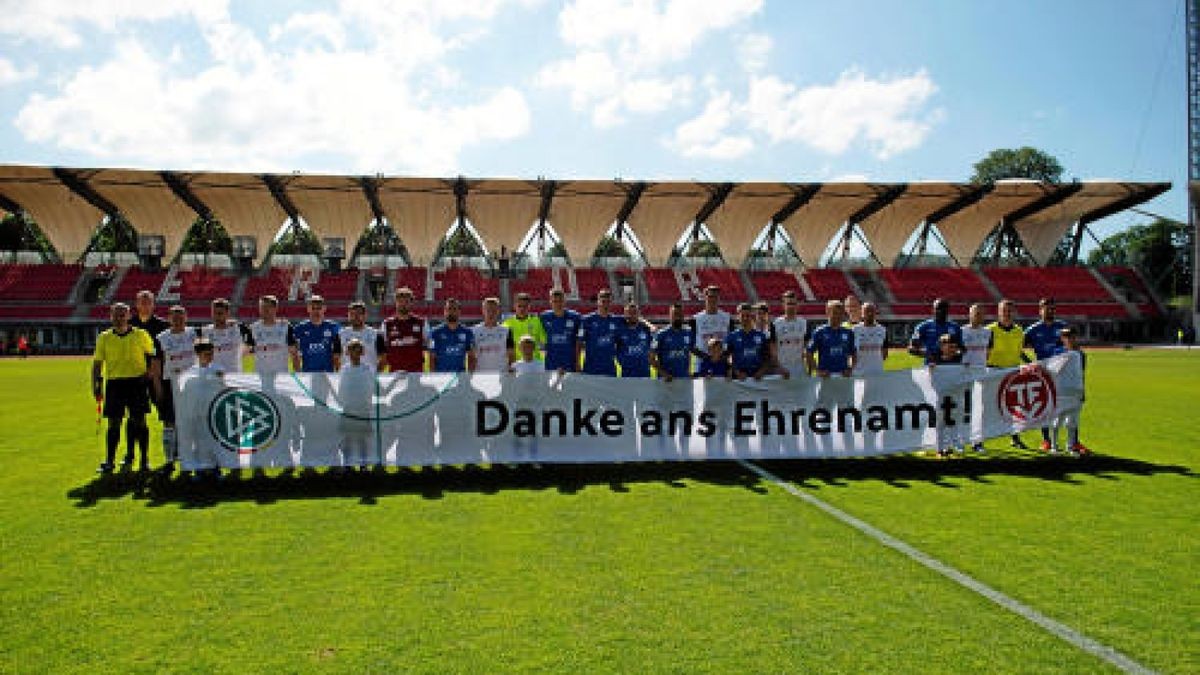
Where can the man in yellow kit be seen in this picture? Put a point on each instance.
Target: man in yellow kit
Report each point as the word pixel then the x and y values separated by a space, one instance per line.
pixel 522 323
pixel 1008 340
pixel 123 358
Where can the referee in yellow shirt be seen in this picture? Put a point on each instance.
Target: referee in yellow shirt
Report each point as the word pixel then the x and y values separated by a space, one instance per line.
pixel 1008 341
pixel 123 359
pixel 523 323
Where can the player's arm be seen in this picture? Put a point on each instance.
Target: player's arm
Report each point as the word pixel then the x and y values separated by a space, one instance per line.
pixel 247 339
pixel 293 346
pixel 98 372
pixel 471 356
pixel 380 352
pixel 337 352
pixel 914 343
pixel 852 358
pixel 510 347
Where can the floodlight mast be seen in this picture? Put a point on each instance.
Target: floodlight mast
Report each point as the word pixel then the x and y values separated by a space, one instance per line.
pixel 1193 187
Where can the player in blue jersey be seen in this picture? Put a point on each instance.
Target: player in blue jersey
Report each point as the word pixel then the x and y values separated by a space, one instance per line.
pixel 1045 335
pixel 633 339
pixel 926 336
pixel 597 334
pixel 748 347
pixel 1045 338
pixel 317 340
pixel 452 344
pixel 672 347
pixel 833 344
pixel 562 334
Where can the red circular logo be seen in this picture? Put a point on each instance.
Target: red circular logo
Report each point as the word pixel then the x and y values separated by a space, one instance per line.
pixel 1027 396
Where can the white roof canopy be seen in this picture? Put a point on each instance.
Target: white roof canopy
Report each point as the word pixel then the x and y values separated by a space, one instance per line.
pixel 69 204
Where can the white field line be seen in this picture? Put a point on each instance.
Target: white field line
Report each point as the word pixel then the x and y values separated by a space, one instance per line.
pixel 1028 613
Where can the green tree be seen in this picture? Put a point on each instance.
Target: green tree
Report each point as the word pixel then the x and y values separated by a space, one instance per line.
pixel 381 239
pixel 206 236
pixel 1023 162
pixel 22 234
pixel 1160 250
pixel 115 235
pixel 609 247
pixel 703 248
pixel 461 243
pixel 297 240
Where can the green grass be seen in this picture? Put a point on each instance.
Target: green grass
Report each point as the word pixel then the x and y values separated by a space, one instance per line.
pixel 694 567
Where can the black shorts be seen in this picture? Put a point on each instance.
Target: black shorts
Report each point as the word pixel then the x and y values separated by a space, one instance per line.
pixel 127 393
pixel 166 405
pixel 154 401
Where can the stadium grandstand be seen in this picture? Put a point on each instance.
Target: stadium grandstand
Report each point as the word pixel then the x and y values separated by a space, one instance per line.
pixel 898 245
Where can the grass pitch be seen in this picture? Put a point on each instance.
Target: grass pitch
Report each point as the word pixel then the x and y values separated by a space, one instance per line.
pixel 677 567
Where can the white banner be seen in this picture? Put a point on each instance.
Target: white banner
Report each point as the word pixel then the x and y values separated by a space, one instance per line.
pixel 306 419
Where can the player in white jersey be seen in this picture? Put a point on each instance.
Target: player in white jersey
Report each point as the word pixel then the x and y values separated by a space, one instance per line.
pixel 271 339
pixel 871 338
pixel 227 337
pixel 713 322
pixel 977 340
pixel 493 341
pixel 977 347
pixel 790 333
pixel 176 346
pixel 374 346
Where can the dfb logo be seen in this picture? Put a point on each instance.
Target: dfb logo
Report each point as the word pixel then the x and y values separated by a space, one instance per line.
pixel 1027 396
pixel 243 421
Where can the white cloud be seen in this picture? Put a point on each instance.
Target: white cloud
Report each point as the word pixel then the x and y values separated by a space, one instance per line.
pixel 888 115
pixel 624 50
pixel 59 22
pixel 389 105
pixel 705 135
pixel 11 74
pixel 753 51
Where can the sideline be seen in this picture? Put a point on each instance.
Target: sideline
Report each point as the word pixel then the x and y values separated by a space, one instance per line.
pixel 1026 612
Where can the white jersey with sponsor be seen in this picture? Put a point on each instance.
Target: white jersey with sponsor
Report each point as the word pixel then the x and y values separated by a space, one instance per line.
pixel 709 326
pixel 975 346
pixel 491 348
pixel 227 346
pixel 790 340
pixel 869 340
pixel 178 352
pixel 271 352
pixel 368 336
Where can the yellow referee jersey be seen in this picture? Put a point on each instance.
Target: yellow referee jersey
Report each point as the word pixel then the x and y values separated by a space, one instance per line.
pixel 123 355
pixel 531 325
pixel 1006 345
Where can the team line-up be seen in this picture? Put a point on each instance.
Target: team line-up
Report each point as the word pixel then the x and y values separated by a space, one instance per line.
pixel 137 361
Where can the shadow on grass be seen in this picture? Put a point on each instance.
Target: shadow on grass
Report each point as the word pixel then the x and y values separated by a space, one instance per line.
pixel 898 471
pixel 902 471
pixel 425 482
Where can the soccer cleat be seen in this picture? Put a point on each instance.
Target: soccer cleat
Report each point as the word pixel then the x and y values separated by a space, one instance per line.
pixel 978 447
pixel 1018 443
pixel 1053 450
pixel 1046 447
pixel 1081 449
pixel 105 469
pixel 168 468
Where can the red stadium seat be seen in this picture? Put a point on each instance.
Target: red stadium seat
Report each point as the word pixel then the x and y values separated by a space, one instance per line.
pixel 827 284
pixel 465 283
pixel 925 284
pixel 1061 283
pixel 38 283
pixel 771 284
pixel 590 280
pixel 729 281
pixel 416 278
pixel 661 284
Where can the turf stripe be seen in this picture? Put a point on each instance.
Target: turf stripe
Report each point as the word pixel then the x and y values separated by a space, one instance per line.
pixel 1059 629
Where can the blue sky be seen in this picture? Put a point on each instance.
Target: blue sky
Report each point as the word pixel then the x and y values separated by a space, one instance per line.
pixel 684 89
